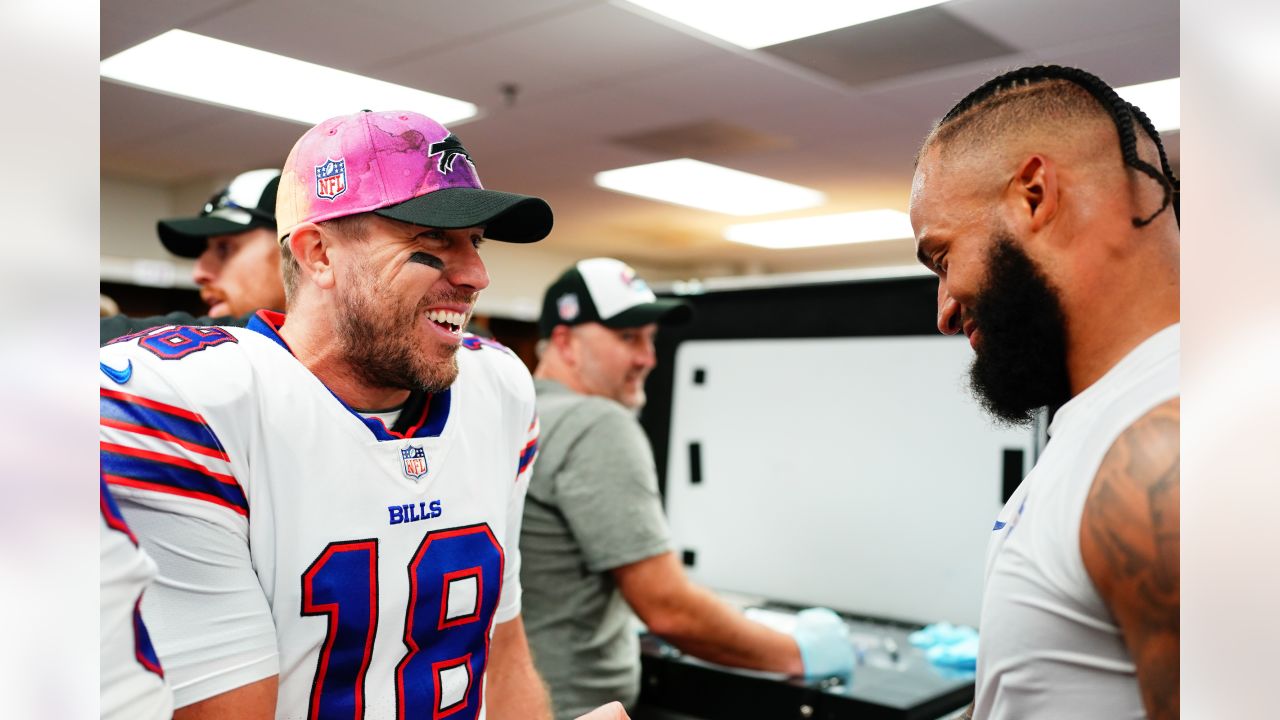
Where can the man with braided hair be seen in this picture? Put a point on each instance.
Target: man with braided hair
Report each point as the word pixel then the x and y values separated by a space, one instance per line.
pixel 1045 204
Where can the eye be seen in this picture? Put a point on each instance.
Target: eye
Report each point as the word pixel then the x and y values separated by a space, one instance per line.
pixel 940 264
pixel 476 241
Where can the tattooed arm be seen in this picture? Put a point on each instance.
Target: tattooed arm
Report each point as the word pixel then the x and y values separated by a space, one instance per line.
pixel 1130 543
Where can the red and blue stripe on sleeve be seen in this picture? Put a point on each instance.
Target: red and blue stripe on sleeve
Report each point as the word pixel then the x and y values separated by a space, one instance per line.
pixel 144 650
pixel 163 448
pixel 530 450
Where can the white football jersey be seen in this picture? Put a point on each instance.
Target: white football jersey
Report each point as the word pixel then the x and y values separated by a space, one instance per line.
pixel 366 566
pixel 132 683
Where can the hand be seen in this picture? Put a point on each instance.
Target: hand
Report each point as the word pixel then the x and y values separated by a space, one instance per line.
pixel 612 711
pixel 823 639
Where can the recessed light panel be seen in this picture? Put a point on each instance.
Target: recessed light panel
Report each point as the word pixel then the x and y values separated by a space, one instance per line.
pixel 701 185
pixel 222 73
pixel 752 24
pixel 819 230
pixel 1160 100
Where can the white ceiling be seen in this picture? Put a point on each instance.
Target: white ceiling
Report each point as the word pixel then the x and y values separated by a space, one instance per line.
pixel 592 70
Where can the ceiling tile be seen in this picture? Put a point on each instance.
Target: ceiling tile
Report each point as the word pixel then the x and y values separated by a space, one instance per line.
pixel 128 23
pixel 1033 24
pixel 874 51
pixel 598 44
pixel 130 116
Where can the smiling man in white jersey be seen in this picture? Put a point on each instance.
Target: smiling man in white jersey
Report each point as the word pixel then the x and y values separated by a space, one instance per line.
pixel 333 497
pixel 1047 208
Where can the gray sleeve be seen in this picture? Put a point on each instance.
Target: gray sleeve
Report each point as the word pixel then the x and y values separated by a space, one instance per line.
pixel 607 489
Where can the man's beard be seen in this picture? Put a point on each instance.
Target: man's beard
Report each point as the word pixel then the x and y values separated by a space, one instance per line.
pixel 378 338
pixel 1021 361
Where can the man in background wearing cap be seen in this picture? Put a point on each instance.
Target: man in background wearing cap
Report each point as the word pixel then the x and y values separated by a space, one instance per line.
pixel 233 242
pixel 334 498
pixel 593 505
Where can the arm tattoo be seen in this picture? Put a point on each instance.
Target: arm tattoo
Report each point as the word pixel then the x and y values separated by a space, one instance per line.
pixel 1130 542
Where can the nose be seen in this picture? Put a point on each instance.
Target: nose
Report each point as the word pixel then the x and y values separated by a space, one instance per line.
pixel 206 268
pixel 948 311
pixel 467 271
pixel 647 356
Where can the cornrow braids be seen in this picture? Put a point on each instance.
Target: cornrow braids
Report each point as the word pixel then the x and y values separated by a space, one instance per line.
pixel 1122 113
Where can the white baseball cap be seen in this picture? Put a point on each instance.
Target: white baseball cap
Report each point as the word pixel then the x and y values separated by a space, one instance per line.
pixel 609 292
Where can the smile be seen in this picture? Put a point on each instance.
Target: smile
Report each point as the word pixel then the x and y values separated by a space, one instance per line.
pixel 451 321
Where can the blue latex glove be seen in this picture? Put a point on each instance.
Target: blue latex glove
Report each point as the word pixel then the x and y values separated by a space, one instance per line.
pixel 824 644
pixel 947 646
pixel 943 633
pixel 962 655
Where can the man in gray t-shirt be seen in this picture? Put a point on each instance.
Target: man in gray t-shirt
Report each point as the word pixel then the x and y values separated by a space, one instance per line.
pixel 595 544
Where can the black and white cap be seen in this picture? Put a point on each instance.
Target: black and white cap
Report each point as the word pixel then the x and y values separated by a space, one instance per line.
pixel 249 202
pixel 606 291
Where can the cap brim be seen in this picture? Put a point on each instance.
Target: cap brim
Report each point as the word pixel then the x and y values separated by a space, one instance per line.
pixel 663 312
pixel 506 217
pixel 186 237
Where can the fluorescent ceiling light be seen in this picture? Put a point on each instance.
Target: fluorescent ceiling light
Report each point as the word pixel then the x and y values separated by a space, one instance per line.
pixel 752 24
pixel 815 231
pixel 709 187
pixel 222 73
pixel 1159 100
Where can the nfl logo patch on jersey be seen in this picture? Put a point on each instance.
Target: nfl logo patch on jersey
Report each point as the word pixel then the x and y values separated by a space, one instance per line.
pixel 414 460
pixel 331 178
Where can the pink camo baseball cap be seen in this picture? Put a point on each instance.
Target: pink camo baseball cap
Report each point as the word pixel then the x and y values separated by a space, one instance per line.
pixel 403 166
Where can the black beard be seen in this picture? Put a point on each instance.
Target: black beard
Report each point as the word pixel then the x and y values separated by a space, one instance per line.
pixel 377 343
pixel 1021 361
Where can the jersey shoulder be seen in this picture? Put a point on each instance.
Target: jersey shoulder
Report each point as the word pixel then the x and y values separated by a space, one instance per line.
pixel 489 362
pixel 197 364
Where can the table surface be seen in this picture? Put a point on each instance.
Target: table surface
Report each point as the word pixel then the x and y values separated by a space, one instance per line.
pixel 892 678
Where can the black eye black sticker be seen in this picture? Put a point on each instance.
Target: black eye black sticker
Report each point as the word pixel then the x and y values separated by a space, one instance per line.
pixel 427 259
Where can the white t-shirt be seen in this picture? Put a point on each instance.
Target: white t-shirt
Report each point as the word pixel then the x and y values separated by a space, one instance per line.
pixel 132 682
pixel 295 537
pixel 1050 648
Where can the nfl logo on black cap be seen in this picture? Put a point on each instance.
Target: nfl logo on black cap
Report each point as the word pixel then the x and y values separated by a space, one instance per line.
pixel 414 460
pixel 568 307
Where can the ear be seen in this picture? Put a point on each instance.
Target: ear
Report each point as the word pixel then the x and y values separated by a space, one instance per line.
pixel 1034 191
pixel 562 340
pixel 310 247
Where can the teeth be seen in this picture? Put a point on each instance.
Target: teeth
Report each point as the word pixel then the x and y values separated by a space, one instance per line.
pixel 444 316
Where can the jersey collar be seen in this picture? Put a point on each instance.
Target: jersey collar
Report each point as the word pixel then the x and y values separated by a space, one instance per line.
pixel 424 414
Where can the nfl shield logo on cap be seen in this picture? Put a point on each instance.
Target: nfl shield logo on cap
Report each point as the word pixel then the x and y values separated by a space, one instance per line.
pixel 331 178
pixel 567 306
pixel 414 460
